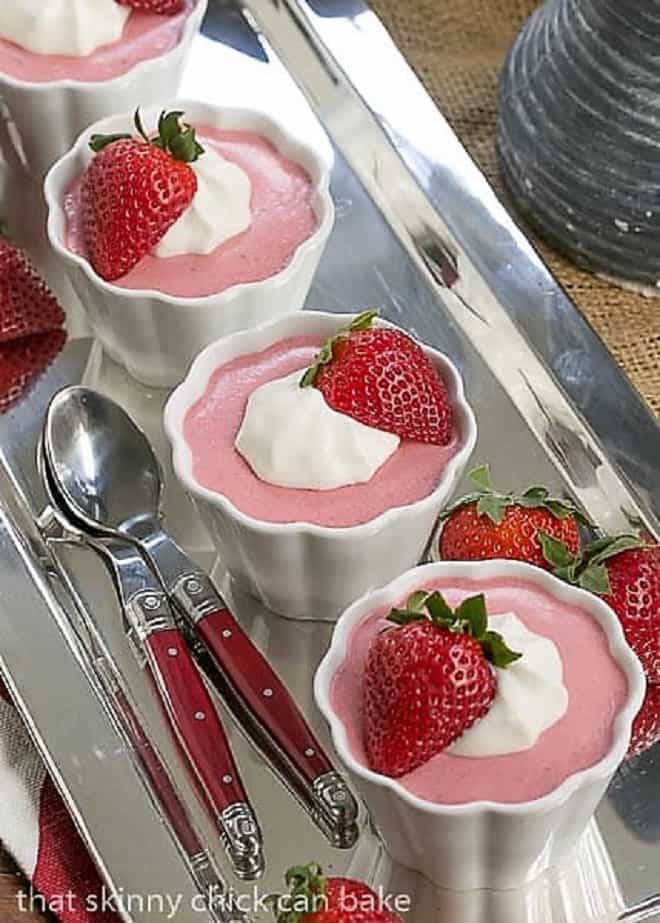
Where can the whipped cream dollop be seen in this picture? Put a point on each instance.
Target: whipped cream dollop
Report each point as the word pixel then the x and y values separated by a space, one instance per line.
pixel 67 27
pixel 291 437
pixel 530 697
pixel 219 210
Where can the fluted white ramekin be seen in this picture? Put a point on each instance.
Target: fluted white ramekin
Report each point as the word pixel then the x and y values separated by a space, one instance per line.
pixel 482 844
pixel 49 116
pixel 155 335
pixel 303 570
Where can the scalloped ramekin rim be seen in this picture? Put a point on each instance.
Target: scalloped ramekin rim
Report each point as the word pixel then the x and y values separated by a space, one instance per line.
pixel 414 577
pixel 276 132
pixel 193 22
pixel 194 385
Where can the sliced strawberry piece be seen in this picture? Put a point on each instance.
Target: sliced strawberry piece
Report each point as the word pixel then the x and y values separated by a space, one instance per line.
pixel 22 361
pixel 134 190
pixel 27 305
pixel 428 680
pixel 382 378
pixel 166 7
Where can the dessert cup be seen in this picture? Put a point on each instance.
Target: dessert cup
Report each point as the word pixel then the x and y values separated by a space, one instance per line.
pixel 49 116
pixel 156 335
pixel 301 569
pixel 482 844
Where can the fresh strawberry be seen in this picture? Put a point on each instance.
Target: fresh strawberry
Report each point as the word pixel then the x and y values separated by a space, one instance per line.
pixel 27 305
pixel 166 7
pixel 428 680
pixel 382 378
pixel 21 361
pixel 625 571
pixel 646 726
pixel 134 190
pixel 313 898
pixel 487 525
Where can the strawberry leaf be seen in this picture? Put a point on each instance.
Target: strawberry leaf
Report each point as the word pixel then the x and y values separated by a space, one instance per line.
pixel 595 579
pixel 555 551
pixel 560 510
pixel 307 886
pixel 534 496
pixel 405 616
pixel 361 321
pixel 496 650
pixel 168 128
pixel 174 137
pixel 601 551
pixel 470 617
pixel 593 549
pixel 493 506
pixel 98 142
pixel 480 477
pixel 565 573
pixel 440 611
pixel 417 600
pixel 588 570
pixel 473 611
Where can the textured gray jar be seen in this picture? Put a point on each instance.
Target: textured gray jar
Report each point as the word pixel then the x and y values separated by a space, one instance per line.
pixel 579 131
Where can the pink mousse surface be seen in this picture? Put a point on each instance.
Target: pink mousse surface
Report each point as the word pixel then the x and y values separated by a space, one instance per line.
pixel 145 36
pixel 210 429
pixel 282 219
pixel 596 685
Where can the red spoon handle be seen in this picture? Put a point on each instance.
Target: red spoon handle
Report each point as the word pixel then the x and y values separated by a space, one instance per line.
pixel 257 684
pixel 153 766
pixel 194 718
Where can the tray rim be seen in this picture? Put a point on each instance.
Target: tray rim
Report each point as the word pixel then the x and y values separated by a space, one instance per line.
pixel 301 6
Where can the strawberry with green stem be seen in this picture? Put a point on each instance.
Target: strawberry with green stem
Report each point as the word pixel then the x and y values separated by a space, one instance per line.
pixel 624 571
pixel 428 679
pixel 487 524
pixel 381 377
pixel 134 190
pixel 316 898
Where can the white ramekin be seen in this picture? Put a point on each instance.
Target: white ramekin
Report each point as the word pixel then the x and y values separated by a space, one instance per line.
pixel 50 116
pixel 482 844
pixel 154 335
pixel 299 569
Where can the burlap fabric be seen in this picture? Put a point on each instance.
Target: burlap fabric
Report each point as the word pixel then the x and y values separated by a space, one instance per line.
pixel 457 48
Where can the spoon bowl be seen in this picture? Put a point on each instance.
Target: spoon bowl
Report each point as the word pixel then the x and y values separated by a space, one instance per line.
pixel 101 463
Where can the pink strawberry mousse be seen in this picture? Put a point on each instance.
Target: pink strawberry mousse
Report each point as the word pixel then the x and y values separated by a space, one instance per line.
pixel 596 686
pixel 282 219
pixel 146 36
pixel 211 425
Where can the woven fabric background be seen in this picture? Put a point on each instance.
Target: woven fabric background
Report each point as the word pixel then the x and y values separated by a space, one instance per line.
pixel 457 48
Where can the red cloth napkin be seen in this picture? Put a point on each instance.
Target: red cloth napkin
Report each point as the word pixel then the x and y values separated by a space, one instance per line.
pixel 36 829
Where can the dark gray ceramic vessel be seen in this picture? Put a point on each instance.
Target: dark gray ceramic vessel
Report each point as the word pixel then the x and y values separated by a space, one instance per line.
pixel 579 131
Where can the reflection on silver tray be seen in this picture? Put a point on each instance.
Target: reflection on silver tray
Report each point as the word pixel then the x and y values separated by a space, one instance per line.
pixel 419 233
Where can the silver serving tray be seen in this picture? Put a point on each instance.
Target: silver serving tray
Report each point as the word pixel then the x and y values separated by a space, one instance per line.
pixel 420 233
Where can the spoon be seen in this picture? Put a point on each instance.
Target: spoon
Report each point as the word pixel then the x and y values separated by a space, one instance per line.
pixel 219 900
pixel 75 460
pixel 110 478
